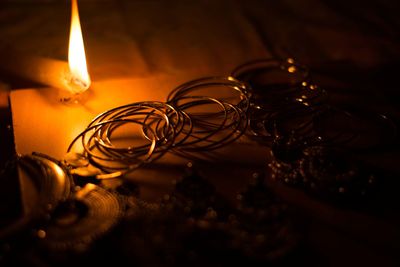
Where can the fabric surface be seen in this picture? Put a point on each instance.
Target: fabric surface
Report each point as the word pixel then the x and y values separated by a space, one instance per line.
pixel 136 38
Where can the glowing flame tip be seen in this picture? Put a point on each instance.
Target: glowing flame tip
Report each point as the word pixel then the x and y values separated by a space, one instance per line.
pixel 76 53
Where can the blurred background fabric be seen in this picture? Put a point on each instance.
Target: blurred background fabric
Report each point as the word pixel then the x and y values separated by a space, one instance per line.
pixel 136 38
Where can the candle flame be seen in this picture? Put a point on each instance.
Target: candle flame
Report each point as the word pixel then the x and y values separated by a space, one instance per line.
pixel 80 79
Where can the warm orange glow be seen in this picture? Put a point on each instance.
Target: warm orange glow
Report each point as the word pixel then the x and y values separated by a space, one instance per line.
pixel 292 69
pixel 80 79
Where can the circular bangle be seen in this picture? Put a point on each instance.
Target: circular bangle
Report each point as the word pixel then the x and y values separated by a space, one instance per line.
pixel 157 121
pixel 206 87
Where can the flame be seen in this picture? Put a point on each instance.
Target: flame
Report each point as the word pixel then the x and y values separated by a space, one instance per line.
pixel 76 54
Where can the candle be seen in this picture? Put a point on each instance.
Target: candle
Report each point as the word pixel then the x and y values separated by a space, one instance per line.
pixel 72 78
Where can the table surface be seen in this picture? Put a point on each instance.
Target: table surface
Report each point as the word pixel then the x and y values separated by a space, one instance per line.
pixel 353 51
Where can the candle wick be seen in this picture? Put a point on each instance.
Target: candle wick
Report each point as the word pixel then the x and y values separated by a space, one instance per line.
pixel 79 82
